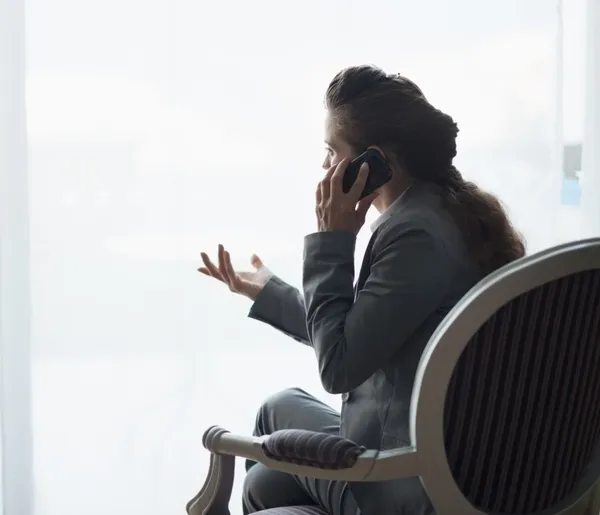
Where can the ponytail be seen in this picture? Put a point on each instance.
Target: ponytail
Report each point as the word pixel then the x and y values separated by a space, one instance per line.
pixel 490 238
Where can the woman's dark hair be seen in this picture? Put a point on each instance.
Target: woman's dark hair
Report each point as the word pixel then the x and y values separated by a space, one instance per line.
pixel 371 107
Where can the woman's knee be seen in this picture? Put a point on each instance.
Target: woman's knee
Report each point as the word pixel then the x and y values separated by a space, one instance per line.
pixel 253 489
pixel 277 409
pixel 283 399
pixel 265 488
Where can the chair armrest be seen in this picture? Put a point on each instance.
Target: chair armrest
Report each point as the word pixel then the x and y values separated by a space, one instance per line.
pixel 304 453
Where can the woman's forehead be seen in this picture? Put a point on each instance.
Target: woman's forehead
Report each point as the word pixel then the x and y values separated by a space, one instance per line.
pixel 331 129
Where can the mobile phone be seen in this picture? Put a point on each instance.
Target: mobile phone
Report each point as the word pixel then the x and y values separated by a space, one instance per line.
pixel 379 172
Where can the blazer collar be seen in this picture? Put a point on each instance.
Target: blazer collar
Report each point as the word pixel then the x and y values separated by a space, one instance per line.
pixel 416 190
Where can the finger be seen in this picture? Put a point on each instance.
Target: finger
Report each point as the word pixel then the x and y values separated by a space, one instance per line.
pixel 204 270
pixel 359 185
pixel 222 270
pixel 256 262
pixel 325 184
pixel 337 178
pixel 211 267
pixel 319 194
pixel 363 206
pixel 331 170
pixel 232 277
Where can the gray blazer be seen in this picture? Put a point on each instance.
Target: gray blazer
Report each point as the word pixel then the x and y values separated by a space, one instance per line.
pixel 368 338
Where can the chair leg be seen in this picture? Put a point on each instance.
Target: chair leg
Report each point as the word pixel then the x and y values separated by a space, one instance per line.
pixel 213 498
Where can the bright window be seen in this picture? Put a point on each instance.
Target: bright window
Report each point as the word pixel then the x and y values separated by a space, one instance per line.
pixel 160 128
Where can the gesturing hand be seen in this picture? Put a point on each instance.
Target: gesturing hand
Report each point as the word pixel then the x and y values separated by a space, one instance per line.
pixel 339 211
pixel 248 284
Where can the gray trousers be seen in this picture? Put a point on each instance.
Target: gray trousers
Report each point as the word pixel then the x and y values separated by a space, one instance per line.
pixel 265 488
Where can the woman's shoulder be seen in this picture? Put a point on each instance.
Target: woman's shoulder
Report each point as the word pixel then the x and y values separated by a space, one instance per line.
pixel 428 223
pixel 426 218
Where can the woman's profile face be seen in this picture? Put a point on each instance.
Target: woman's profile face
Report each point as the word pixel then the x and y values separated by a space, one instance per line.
pixel 336 149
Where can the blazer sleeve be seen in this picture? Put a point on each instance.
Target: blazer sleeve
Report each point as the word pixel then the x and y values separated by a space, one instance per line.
pixel 281 306
pixel 354 337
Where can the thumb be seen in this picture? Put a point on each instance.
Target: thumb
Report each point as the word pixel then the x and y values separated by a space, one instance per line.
pixel 364 205
pixel 256 262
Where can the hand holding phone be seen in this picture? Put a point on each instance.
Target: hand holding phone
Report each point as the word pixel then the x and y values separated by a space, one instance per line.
pixel 347 192
pixel 379 172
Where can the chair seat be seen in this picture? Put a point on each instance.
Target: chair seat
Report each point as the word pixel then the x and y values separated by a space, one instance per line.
pixel 294 510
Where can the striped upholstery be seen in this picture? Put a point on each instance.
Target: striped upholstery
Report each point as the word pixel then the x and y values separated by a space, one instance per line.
pixel 522 413
pixel 294 510
pixel 312 449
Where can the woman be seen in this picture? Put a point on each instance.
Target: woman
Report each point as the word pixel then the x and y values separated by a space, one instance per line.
pixel 437 235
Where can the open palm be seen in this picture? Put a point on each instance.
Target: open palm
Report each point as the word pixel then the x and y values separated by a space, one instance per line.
pixel 247 283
